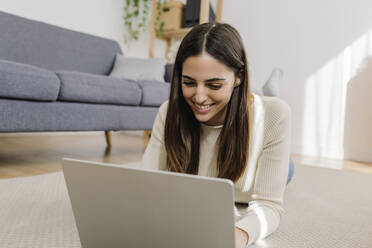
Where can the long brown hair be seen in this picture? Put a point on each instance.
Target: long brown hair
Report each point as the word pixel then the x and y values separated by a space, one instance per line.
pixel 182 129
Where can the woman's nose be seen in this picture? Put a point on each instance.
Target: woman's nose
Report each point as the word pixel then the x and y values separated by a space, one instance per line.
pixel 200 94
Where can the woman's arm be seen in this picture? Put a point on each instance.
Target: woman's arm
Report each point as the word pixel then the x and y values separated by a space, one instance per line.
pixel 155 155
pixel 264 212
pixel 241 238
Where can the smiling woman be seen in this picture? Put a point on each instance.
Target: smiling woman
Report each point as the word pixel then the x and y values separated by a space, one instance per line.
pixel 208 92
pixel 214 126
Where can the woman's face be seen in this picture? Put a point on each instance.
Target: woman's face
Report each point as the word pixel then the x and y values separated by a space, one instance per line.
pixel 207 86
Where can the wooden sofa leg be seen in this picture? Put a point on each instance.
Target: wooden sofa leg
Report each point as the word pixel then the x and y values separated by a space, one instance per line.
pixel 108 138
pixel 146 136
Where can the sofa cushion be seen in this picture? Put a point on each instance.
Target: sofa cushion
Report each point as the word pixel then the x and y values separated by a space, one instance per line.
pixel 90 88
pixel 21 81
pixel 154 93
pixel 139 68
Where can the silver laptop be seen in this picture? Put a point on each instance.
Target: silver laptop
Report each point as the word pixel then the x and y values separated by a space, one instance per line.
pixel 124 206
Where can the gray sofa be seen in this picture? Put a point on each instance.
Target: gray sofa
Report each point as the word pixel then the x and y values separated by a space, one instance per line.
pixel 55 79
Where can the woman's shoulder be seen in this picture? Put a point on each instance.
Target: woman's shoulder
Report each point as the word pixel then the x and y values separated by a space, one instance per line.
pixel 159 122
pixel 276 115
pixel 275 108
pixel 162 112
pixel 164 106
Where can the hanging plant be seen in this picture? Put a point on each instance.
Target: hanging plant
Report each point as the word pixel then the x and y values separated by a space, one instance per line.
pixel 159 23
pixel 136 14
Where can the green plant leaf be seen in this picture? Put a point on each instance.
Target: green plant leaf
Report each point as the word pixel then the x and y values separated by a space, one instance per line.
pixel 135 18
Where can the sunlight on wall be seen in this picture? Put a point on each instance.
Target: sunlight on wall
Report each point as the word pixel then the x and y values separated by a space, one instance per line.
pixel 324 101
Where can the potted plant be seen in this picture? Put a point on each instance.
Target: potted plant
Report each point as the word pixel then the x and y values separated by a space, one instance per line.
pixel 136 18
pixel 136 15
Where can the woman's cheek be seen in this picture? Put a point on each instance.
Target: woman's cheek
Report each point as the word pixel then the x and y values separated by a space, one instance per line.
pixel 186 92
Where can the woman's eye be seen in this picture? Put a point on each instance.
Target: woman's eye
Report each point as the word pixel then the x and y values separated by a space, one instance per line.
pixel 212 86
pixel 188 83
pixel 215 86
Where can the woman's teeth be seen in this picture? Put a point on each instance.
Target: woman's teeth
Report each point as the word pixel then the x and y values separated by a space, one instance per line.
pixel 203 107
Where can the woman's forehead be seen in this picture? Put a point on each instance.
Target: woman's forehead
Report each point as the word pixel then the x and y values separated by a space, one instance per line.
pixel 204 66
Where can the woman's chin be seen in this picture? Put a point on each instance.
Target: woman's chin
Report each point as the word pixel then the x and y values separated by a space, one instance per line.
pixel 208 119
pixel 202 119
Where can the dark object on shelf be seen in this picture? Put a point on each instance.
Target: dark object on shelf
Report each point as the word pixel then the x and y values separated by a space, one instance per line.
pixel 212 16
pixel 191 16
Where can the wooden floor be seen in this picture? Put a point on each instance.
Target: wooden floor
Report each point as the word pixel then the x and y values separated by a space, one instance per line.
pixel 34 154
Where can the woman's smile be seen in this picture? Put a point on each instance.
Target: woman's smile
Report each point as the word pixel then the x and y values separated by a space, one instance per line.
pixel 202 108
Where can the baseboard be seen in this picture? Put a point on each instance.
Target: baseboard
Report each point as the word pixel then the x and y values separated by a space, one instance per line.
pixel 314 150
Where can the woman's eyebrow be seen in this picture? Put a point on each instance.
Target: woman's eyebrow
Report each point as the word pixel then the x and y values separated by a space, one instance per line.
pixel 188 77
pixel 214 79
pixel 208 80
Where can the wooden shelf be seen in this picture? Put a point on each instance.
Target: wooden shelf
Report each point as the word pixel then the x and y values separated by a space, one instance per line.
pixel 178 33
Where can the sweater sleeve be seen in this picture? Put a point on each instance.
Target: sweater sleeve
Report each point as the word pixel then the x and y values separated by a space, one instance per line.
pixel 155 154
pixel 264 212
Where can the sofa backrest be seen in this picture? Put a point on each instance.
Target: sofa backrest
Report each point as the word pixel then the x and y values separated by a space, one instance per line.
pixel 54 48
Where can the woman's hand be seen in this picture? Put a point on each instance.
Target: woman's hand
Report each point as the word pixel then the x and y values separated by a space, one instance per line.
pixel 241 238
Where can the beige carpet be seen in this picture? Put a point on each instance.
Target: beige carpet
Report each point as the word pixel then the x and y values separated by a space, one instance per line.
pixel 324 208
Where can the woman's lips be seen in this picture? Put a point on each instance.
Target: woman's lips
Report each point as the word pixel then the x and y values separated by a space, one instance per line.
pixel 202 108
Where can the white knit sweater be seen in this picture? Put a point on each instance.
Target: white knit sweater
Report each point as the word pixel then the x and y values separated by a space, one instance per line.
pixel 264 180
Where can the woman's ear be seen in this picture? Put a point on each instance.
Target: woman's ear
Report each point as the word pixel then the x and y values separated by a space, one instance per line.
pixel 237 82
pixel 239 79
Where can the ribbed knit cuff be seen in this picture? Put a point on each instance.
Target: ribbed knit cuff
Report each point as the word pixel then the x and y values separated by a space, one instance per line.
pixel 250 224
pixel 259 222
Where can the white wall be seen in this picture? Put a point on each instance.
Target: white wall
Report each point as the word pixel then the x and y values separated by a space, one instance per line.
pixel 358 115
pixel 319 44
pixel 97 17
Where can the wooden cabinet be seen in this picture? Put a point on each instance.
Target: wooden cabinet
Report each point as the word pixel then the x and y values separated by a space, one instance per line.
pixel 179 33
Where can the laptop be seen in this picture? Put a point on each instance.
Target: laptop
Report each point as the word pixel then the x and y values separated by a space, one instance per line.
pixel 126 206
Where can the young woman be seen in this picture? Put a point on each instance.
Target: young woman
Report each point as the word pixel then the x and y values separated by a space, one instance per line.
pixel 213 126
